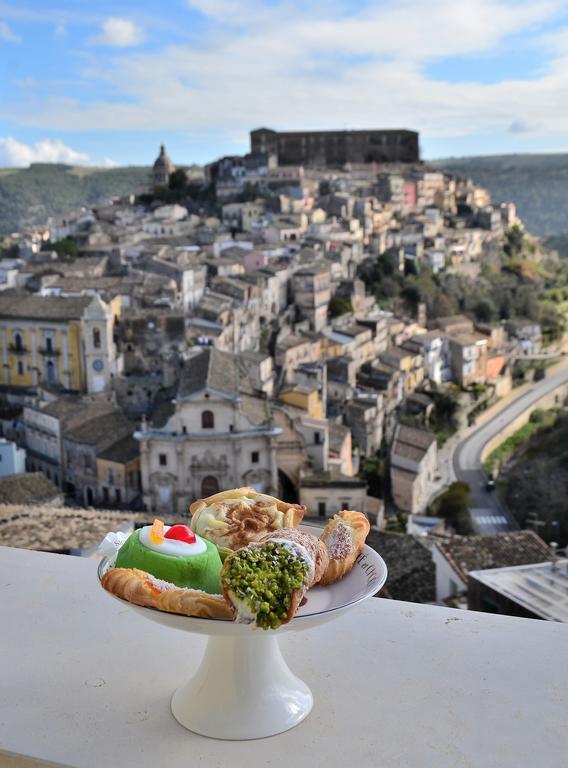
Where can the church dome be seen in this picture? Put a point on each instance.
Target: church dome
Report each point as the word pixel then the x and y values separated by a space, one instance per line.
pixel 163 167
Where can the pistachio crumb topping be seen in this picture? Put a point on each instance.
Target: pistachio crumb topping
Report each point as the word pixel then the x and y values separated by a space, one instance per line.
pixel 265 579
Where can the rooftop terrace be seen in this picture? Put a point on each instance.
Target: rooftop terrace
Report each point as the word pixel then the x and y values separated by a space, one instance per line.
pixel 87 682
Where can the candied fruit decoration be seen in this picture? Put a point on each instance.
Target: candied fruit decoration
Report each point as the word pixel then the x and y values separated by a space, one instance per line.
pixel 157 532
pixel 181 533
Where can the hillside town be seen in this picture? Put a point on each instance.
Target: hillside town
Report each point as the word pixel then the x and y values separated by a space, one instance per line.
pixel 221 328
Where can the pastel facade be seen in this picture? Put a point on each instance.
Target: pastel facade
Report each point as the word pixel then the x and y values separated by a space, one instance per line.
pixel 66 342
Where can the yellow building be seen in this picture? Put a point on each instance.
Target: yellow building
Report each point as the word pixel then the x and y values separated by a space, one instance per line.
pixel 56 341
pixel 306 398
pixel 118 473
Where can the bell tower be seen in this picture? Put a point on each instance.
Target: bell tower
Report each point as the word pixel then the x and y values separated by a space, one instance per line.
pixel 99 349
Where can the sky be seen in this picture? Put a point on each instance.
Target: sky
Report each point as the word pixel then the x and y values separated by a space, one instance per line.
pixel 105 83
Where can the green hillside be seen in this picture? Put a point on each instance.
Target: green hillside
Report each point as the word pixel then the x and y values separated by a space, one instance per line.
pixel 30 195
pixel 538 184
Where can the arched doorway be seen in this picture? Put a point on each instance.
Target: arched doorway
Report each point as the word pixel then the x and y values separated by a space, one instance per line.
pixel 286 488
pixel 209 486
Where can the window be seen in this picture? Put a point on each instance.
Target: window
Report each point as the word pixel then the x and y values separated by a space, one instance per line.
pixel 254 457
pixel 49 344
pixel 317 438
pixel 346 504
pixel 96 338
pixel 18 341
pixel 163 459
pixel 111 477
pixel 51 372
pixel 321 508
pixel 209 486
pixel 184 430
pixel 20 367
pixel 207 420
pixel 118 496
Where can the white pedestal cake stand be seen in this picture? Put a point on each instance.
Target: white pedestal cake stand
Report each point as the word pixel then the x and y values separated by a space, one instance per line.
pixel 243 688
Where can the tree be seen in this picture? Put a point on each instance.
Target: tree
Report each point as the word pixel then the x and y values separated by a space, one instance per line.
pixel 453 506
pixel 338 305
pixel 66 248
pixel 485 310
pixel 513 244
pixel 178 181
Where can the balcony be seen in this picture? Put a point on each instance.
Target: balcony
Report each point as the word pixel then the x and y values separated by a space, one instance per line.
pixel 49 351
pixel 17 349
pixel 88 682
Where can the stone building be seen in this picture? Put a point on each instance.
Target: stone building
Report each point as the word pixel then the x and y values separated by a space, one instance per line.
pixel 82 444
pixel 336 148
pixel 216 436
pixel 414 462
pixel 311 291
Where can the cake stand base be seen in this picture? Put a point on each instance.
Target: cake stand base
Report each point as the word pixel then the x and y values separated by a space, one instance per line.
pixel 243 689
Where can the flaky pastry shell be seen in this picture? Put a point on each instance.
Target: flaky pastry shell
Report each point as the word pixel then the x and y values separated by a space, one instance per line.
pixel 232 519
pixel 143 589
pixel 344 536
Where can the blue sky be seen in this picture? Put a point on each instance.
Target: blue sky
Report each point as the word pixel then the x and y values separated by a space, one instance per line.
pixel 106 83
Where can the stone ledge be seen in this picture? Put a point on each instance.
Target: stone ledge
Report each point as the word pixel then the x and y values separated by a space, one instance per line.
pixel 395 683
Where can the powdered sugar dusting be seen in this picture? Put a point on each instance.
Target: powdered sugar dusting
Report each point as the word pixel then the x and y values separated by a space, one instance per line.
pixel 163 586
pixel 300 551
pixel 339 542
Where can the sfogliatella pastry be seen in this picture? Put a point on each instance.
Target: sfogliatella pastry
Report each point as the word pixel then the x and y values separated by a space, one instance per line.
pixel 233 519
pixel 144 589
pixel 344 537
pixel 265 582
pixel 173 554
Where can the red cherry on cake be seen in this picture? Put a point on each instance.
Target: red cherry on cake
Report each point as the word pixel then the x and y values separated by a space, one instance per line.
pixel 181 533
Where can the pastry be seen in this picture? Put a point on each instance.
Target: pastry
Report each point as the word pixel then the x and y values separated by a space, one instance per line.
pixel 265 582
pixel 174 554
pixel 233 519
pixel 144 589
pixel 344 536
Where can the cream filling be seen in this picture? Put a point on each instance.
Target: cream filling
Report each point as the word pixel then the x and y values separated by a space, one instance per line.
pixel 172 547
pixel 244 611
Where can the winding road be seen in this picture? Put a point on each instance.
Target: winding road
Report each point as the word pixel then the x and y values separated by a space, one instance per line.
pixel 487 513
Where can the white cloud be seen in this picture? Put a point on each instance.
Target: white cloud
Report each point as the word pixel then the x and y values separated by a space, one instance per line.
pixel 120 33
pixel 306 65
pixel 6 33
pixel 17 154
pixel 108 162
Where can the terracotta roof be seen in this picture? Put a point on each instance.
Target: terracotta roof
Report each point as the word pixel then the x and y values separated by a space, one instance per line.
pixel 417 438
pixel 412 573
pixel 60 529
pixel 101 431
pixel 123 451
pixel 499 550
pixel 47 308
pixel 28 488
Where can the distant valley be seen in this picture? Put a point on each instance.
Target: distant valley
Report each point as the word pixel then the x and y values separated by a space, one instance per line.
pixel 538 184
pixel 31 195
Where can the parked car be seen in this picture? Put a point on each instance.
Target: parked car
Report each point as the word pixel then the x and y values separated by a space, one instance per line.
pixel 490 482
